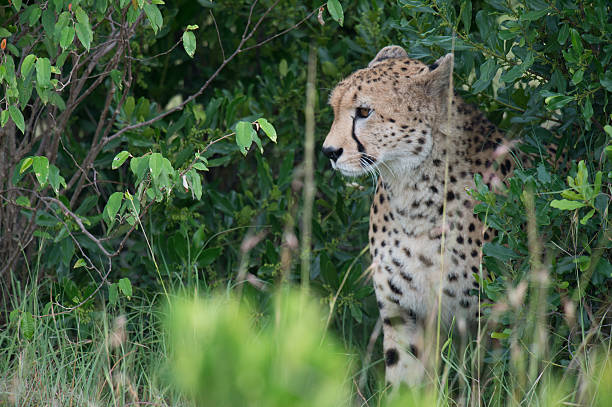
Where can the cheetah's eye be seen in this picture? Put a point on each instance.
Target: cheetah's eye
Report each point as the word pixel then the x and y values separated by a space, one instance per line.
pixel 363 112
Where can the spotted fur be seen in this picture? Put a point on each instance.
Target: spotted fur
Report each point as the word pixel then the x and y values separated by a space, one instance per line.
pixel 391 118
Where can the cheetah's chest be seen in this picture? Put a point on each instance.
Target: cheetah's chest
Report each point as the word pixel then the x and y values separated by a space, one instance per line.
pixel 409 269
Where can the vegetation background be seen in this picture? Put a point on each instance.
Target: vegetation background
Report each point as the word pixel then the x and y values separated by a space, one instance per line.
pixel 157 170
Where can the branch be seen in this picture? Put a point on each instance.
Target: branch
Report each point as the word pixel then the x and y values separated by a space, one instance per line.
pixel 218 34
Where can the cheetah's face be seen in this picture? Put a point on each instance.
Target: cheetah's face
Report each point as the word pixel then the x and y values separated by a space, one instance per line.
pixel 384 115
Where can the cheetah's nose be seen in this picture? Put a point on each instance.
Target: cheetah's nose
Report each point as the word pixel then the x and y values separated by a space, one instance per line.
pixel 332 153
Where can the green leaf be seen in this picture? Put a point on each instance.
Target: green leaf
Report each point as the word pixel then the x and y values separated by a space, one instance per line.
pixel 586 217
pixel 192 27
pixel 66 37
pixel 48 21
pixel 267 127
pixel 597 185
pixel 587 110
pixel 155 164
pixel 4 32
pixel 43 72
pixel 577 77
pixel 17 117
pixel 23 201
pixel 83 28
pixel 499 252
pixel 126 287
pixel 40 165
pixel 200 166
pixel 534 15
pixel 35 13
pixel 27 65
pixel 13 49
pixel 576 41
pixel 557 101
pixel 120 159
pixel 129 105
pixel 154 16
pixel 244 136
pixel 513 74
pixel 112 294
pixel 563 34
pixel 27 162
pixel 543 175
pixel 566 205
pixel 55 179
pixel 606 80
pixel 25 91
pixel 335 10
pixel 27 325
pixel 7 71
pixel 189 43
pixel 116 77
pixel 4 116
pixel 139 166
pixel 79 263
pixel 84 35
pixel 283 69
pixel 257 141
pixel 465 14
pixel 112 207
pixel 196 183
pixel 500 335
pixel 487 72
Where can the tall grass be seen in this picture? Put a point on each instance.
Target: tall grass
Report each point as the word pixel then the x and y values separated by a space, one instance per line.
pixel 124 357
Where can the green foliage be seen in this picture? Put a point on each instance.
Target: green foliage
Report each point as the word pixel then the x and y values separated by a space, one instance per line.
pixel 278 362
pixel 117 185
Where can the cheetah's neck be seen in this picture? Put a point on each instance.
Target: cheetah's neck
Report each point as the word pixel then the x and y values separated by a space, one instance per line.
pixel 416 196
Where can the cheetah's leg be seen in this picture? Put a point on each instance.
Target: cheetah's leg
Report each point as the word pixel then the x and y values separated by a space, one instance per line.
pixel 403 344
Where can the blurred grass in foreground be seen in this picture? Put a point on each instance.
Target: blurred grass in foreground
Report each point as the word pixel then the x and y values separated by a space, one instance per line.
pixel 222 358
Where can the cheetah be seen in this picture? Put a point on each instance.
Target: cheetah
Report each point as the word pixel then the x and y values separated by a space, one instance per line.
pixel 396 118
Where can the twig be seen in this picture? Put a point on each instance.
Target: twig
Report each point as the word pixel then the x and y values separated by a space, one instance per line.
pixel 368 356
pixel 309 182
pixel 218 33
pixel 293 27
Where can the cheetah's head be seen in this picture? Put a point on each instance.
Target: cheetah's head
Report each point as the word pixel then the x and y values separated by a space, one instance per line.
pixel 385 115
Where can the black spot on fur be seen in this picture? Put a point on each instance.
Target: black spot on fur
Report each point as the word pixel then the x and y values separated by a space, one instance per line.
pixel 426 262
pixel 393 300
pixel 406 276
pixel 394 288
pixel 449 293
pixel 391 357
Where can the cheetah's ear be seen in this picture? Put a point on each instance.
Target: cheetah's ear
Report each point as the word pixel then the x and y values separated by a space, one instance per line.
pixel 391 51
pixel 437 80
